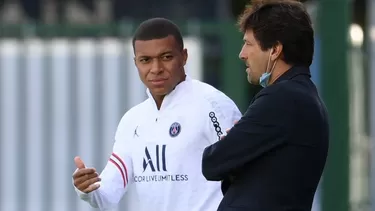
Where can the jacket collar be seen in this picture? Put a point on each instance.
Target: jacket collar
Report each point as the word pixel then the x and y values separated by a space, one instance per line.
pixel 171 99
pixel 293 72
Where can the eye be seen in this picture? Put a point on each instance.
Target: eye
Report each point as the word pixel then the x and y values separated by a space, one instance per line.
pixel 167 57
pixel 144 60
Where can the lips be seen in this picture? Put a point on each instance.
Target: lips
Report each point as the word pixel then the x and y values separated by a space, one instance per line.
pixel 247 68
pixel 158 82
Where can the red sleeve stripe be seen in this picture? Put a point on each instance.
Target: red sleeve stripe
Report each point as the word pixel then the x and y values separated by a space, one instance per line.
pixel 123 165
pixel 119 168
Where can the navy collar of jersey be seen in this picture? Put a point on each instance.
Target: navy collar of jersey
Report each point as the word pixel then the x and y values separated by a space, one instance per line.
pixel 293 72
pixel 171 98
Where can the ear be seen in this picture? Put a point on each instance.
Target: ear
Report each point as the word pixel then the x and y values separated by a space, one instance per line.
pixel 276 51
pixel 185 56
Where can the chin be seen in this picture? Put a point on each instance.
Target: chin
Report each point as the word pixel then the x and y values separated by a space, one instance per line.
pixel 159 91
pixel 252 80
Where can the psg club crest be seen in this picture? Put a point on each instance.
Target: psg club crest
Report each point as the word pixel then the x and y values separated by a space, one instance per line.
pixel 175 129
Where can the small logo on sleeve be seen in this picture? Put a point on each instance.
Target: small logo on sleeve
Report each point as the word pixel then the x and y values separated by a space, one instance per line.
pixel 215 124
pixel 175 129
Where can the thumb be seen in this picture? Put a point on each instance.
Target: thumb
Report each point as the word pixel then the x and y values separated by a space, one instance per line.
pixel 79 163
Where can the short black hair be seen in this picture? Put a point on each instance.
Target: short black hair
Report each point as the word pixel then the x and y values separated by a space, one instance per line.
pixel 158 28
pixel 281 21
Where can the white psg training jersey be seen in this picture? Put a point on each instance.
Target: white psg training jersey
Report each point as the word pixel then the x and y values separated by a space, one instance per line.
pixel 156 159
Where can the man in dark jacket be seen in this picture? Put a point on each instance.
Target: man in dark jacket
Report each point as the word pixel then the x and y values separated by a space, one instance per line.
pixel 273 158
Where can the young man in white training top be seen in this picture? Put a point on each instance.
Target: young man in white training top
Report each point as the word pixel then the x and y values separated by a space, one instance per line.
pixel 157 154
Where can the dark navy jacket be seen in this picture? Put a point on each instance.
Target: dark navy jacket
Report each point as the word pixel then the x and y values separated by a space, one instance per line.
pixel 273 158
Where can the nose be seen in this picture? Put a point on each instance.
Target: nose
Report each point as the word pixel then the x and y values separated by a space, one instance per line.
pixel 157 66
pixel 242 54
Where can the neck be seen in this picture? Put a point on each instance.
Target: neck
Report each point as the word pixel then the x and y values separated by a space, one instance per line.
pixel 280 69
pixel 159 98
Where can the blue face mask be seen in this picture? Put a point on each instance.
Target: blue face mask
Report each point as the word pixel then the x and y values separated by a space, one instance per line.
pixel 264 79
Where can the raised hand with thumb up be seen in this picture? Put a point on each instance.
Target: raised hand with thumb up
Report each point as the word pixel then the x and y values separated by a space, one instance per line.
pixel 85 178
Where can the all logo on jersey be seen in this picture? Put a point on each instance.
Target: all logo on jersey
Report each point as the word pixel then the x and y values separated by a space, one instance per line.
pixel 158 163
pixel 215 123
pixel 155 167
pixel 175 129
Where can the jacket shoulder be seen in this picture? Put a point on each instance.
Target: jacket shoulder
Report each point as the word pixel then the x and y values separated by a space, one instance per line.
pixel 212 96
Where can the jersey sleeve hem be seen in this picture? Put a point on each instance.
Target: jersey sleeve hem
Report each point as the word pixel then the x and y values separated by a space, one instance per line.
pixel 120 165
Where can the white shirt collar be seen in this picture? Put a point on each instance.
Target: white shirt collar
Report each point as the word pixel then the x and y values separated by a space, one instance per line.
pixel 170 99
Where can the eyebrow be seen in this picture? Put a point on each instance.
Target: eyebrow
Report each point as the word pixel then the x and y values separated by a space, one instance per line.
pixel 166 52
pixel 160 54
